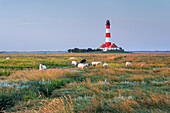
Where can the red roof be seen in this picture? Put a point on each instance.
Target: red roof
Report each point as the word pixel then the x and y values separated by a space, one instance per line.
pixel 102 46
pixel 113 45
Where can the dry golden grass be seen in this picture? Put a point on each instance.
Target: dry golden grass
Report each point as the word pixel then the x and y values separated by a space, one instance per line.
pixel 136 78
pixel 57 105
pixel 43 74
pixel 122 91
pixel 98 104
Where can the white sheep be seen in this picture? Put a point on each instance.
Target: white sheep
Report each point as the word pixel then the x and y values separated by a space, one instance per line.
pixel 74 63
pixel 105 64
pixel 128 64
pixel 42 67
pixel 82 66
pixel 95 63
pixel 7 58
pixel 72 58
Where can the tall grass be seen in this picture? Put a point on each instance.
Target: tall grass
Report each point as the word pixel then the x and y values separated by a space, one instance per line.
pixel 142 87
pixel 43 74
pixel 109 103
pixel 5 72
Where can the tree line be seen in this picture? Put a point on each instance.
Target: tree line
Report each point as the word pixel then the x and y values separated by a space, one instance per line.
pixel 77 50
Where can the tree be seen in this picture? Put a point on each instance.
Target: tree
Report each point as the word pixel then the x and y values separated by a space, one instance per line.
pixel 89 49
pixel 76 50
pixel 69 50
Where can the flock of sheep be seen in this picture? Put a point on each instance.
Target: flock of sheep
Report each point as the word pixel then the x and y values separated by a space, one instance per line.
pixel 80 65
pixel 95 63
pixel 83 64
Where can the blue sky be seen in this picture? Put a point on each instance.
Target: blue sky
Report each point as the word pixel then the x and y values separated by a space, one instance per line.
pixel 63 24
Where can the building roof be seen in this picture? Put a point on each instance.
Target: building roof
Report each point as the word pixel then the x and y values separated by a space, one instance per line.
pixel 113 45
pixel 102 46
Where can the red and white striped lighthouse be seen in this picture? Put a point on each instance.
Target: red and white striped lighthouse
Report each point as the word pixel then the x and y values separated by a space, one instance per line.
pixel 107 46
pixel 107 40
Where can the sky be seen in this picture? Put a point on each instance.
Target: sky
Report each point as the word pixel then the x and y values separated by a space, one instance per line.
pixel 58 25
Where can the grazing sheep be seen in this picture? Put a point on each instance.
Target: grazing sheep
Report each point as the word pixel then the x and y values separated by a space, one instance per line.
pixel 82 66
pixel 128 64
pixel 105 64
pixel 95 63
pixel 42 67
pixel 83 61
pixel 74 63
pixel 7 58
pixel 72 58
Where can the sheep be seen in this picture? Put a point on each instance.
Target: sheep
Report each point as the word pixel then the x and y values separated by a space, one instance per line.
pixel 82 66
pixel 72 58
pixel 105 64
pixel 7 58
pixel 74 63
pixel 83 61
pixel 42 67
pixel 128 64
pixel 95 63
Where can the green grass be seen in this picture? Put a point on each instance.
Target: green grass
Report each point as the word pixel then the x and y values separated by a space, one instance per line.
pixel 5 72
pixel 47 89
pixel 65 88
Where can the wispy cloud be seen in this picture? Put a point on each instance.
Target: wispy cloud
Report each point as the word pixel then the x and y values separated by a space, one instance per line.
pixel 26 23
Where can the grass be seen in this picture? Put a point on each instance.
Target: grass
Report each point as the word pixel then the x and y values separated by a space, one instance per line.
pixel 142 87
pixel 5 72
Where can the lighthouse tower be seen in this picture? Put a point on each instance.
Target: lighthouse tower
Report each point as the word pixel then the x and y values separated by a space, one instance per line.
pixel 107 45
pixel 107 40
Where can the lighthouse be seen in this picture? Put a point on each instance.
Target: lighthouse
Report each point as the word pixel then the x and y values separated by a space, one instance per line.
pixel 108 45
pixel 107 40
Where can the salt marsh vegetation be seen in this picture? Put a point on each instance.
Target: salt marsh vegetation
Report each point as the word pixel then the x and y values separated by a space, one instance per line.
pixel 141 87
